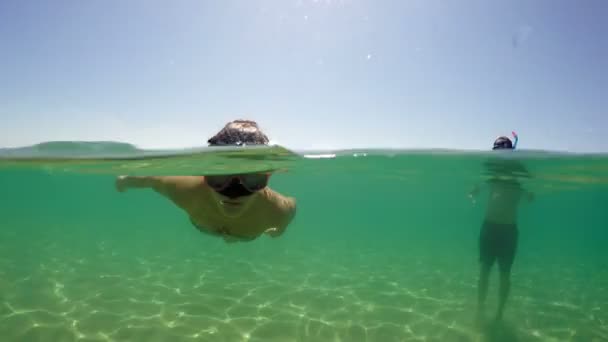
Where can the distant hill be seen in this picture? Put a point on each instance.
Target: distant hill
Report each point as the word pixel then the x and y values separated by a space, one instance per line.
pixel 71 149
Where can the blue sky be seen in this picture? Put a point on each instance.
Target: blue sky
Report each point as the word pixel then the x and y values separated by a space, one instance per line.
pixel 319 74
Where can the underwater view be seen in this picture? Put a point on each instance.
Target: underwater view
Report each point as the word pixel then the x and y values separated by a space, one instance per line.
pixel 303 171
pixel 385 246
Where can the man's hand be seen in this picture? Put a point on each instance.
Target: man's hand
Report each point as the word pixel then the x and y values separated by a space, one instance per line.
pixel 531 197
pixel 121 183
pixel 274 232
pixel 473 194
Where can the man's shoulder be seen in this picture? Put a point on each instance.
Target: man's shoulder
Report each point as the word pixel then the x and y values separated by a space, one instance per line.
pixel 279 202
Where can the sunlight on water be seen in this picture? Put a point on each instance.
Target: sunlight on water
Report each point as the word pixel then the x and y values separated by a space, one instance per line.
pixel 384 247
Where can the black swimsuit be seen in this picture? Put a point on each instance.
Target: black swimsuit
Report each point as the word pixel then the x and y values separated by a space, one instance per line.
pixel 498 242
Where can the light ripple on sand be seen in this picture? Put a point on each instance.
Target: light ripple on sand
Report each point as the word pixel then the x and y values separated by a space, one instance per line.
pixel 110 296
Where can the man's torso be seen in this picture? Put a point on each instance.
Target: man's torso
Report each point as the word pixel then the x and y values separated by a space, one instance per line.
pixel 261 215
pixel 503 202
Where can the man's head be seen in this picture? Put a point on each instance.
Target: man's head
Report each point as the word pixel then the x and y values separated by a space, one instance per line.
pixel 503 143
pixel 234 193
pixel 239 132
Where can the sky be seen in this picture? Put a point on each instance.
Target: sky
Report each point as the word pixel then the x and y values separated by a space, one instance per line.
pixel 315 74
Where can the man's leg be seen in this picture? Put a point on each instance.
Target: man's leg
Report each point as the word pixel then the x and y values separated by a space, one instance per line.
pixel 486 259
pixel 482 286
pixel 503 291
pixel 505 261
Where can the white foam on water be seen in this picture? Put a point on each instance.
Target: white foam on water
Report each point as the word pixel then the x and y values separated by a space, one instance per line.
pixel 320 156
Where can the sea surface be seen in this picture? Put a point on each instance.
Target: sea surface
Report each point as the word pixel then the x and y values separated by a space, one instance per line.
pixel 384 247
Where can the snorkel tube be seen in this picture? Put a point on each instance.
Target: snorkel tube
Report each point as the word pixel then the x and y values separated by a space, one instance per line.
pixel 515 139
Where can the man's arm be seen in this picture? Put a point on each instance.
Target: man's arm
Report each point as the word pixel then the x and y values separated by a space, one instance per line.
pixel 288 212
pixel 475 191
pixel 165 185
pixel 529 195
pixel 124 183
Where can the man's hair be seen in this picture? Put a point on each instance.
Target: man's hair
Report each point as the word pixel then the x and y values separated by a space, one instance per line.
pixel 239 132
pixel 503 143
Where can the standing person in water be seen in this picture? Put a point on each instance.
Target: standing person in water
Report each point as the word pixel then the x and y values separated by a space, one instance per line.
pixel 237 207
pixel 499 232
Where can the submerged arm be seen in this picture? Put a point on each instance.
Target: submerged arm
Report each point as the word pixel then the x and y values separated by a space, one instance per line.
pixel 288 212
pixel 530 195
pixel 124 183
pixel 165 185
pixel 475 191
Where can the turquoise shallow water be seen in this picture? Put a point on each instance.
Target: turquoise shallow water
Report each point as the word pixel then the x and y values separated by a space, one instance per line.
pixel 383 248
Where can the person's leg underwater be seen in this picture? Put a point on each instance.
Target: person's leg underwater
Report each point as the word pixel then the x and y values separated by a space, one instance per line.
pixel 486 260
pixel 505 262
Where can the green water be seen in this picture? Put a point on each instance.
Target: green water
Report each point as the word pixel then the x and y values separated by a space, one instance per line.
pixel 384 247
